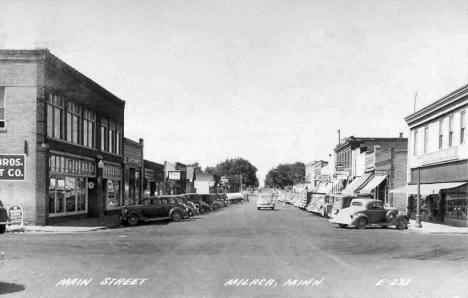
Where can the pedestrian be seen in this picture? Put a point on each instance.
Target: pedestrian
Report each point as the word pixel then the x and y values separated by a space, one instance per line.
pixel 247 197
pixel 284 203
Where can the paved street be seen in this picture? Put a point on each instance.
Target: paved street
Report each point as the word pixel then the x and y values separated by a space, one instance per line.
pixel 237 251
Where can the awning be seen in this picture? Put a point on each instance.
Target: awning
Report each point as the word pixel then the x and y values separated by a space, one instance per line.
pixel 367 190
pixel 324 188
pixel 356 184
pixel 426 189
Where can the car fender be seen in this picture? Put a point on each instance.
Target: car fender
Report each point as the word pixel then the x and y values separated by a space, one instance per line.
pixel 176 209
pixel 358 217
pixel 402 216
pixel 391 215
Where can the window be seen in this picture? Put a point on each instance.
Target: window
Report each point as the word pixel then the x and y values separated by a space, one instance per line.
pixel 67 194
pixel 450 130
pixel 118 140
pixel 415 141
pixel 112 137
pixel 104 140
pixel 89 128
pixel 462 127
pixel 441 133
pixel 426 139
pixel 55 117
pixel 73 123
pixel 2 107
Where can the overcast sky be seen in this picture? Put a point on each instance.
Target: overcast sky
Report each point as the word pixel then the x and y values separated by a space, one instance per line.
pixel 268 81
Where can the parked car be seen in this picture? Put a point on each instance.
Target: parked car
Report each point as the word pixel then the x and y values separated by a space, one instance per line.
pixel 319 204
pixel 368 212
pixel 266 201
pixel 342 201
pixel 210 200
pixel 192 210
pixel 3 218
pixel 196 199
pixel 222 197
pixel 153 208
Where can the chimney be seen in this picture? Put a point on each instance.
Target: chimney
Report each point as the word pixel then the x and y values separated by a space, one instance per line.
pixel 401 134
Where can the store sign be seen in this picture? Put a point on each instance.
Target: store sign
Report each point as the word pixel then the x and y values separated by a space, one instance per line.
pixel 442 155
pixel 174 175
pixel 12 167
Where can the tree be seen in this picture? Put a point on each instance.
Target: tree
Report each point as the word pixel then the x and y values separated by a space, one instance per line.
pixel 236 171
pixel 284 175
pixel 196 167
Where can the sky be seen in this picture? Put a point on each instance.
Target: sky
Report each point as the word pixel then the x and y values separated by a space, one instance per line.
pixel 268 81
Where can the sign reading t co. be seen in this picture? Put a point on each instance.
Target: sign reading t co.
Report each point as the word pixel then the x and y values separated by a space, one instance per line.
pixel 12 167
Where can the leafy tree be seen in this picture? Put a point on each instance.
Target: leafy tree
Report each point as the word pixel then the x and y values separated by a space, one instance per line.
pixel 285 174
pixel 236 170
pixel 197 168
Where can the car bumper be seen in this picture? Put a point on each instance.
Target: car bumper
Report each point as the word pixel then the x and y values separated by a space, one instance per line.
pixel 266 206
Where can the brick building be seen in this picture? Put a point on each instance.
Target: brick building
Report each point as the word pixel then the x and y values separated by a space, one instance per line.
pixel 70 132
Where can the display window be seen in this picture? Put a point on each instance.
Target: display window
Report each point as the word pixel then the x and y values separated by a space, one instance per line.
pixel 113 193
pixel 67 194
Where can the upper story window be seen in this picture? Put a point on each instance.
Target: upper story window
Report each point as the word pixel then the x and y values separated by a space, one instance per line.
pixel 426 139
pixel 74 123
pixel 104 135
pixel 118 139
pixel 450 136
pixel 415 143
pixel 2 107
pixel 441 134
pixel 55 116
pixel 89 128
pixel 111 136
pixel 462 127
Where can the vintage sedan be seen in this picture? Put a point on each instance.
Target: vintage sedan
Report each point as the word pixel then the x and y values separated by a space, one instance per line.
pixel 3 218
pixel 266 201
pixel 368 212
pixel 153 208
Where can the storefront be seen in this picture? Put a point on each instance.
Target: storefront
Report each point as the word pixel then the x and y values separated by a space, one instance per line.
pixel 133 159
pixel 70 179
pixel 112 186
pixel 357 184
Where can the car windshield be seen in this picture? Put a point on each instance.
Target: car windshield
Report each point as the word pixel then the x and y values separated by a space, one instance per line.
pixel 356 204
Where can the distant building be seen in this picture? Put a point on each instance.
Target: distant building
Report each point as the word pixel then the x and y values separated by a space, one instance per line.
pixel 204 182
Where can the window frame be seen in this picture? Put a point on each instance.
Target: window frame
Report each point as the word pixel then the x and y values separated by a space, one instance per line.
pixel 415 142
pixel 450 134
pixel 2 108
pixel 462 126
pixel 441 134
pixel 55 104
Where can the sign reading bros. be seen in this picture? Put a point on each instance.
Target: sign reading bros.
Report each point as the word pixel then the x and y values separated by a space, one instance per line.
pixel 12 167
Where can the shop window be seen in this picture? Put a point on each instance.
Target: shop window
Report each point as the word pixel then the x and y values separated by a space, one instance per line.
pixel 67 194
pixel 73 123
pixel 2 107
pixel 450 136
pixel 89 128
pixel 113 193
pixel 462 127
pixel 55 116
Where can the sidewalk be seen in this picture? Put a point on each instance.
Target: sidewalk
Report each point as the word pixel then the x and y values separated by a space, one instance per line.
pixel 432 228
pixel 82 225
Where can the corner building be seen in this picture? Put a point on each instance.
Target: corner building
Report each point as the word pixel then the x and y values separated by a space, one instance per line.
pixel 70 131
pixel 437 160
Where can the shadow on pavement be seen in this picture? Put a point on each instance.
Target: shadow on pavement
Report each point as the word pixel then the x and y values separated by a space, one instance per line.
pixel 8 288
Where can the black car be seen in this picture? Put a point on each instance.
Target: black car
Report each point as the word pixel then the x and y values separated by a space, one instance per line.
pixel 197 200
pixel 153 208
pixel 192 209
pixel 3 218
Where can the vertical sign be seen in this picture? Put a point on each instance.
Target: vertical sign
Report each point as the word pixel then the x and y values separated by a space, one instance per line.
pixel 12 167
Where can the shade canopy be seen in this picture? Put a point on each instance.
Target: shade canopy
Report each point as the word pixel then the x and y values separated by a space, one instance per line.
pixel 356 184
pixel 367 190
pixel 426 189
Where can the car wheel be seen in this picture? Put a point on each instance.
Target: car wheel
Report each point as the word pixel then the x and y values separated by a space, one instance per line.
pixel 2 229
pixel 272 208
pixel 132 220
pixel 258 208
pixel 401 224
pixel 362 223
pixel 176 216
pixel 344 226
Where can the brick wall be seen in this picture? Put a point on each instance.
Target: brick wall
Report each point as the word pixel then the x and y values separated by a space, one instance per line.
pixel 20 80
